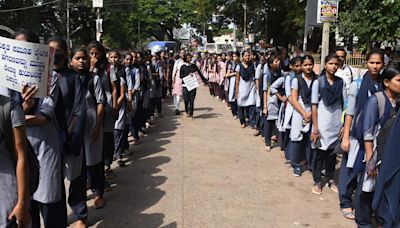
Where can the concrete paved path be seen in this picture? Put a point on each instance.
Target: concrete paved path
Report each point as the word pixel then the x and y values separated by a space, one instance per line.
pixel 208 172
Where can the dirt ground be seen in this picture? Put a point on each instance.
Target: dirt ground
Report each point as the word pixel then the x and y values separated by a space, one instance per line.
pixel 208 172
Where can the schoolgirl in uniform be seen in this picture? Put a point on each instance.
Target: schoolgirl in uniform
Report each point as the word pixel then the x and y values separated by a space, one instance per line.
pixel 120 125
pixel 231 75
pixel 377 111
pixel 43 134
pixel 327 97
pixel 156 75
pixel 270 100
pixel 145 70
pixel 246 90
pixel 358 94
pixel 228 62
pixel 110 110
pixel 212 75
pixel 386 196
pixel 104 68
pixel 259 76
pixel 163 63
pixel 221 72
pixel 93 146
pixel 177 82
pixel 134 102
pixel 73 113
pixel 295 66
pixel 14 186
pixel 301 119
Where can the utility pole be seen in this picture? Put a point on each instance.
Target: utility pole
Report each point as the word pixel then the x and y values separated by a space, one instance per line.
pixel 234 36
pixel 68 35
pixel 138 34
pixel 327 13
pixel 305 37
pixel 325 42
pixel 245 20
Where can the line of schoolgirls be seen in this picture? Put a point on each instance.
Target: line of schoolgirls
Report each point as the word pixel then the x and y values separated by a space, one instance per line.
pixel 77 131
pixel 316 118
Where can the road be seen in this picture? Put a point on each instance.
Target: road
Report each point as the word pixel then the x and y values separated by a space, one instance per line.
pixel 208 172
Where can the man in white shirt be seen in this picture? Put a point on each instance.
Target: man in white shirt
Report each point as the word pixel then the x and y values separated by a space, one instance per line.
pixel 345 72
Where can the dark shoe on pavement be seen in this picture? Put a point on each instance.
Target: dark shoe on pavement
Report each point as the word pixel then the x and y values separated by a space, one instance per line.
pixel 177 112
pixel 297 172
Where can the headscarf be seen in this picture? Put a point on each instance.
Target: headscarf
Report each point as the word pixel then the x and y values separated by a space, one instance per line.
pixel 248 73
pixel 331 93
pixel 304 90
pixel 368 86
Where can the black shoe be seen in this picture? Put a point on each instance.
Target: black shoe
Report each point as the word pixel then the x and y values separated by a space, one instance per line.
pixel 177 112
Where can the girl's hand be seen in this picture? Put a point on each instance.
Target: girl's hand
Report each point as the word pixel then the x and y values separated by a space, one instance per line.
pixel 96 133
pixel 307 117
pixel 315 135
pixel 265 111
pixel 345 144
pixel 371 168
pixel 93 62
pixel 27 92
pixel 22 215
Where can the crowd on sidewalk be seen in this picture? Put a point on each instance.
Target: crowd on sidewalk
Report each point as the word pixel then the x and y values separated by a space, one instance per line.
pixel 99 97
pixel 320 120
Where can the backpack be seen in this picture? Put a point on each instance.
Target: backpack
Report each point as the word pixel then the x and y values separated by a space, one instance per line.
pixel 385 129
pixel 5 127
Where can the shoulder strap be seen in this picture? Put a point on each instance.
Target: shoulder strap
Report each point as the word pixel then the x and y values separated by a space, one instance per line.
pixel 321 83
pixel 299 81
pixel 381 103
pixel 5 121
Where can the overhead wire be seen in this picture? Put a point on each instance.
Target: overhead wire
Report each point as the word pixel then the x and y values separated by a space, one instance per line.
pixel 28 7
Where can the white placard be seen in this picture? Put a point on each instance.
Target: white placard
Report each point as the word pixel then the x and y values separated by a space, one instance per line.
pixel 24 63
pixel 97 3
pixel 191 82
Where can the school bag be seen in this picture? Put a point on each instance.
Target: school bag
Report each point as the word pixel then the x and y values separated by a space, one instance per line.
pixel 385 129
pixel 6 129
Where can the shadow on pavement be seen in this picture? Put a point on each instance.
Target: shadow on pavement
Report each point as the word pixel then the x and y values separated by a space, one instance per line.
pixel 135 187
pixel 207 116
pixel 208 109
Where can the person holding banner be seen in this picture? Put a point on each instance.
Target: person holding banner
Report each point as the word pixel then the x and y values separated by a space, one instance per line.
pixel 43 135
pixel 189 69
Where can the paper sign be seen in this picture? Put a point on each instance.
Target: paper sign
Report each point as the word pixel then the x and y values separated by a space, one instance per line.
pixel 97 3
pixel 327 10
pixel 191 82
pixel 24 63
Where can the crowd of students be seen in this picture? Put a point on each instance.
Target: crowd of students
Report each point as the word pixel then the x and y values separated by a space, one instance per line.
pixel 96 99
pixel 318 119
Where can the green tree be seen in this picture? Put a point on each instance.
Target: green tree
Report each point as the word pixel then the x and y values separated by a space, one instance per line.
pixel 372 21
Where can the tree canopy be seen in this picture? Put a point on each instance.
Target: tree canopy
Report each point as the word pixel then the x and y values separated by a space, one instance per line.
pixel 372 21
pixel 131 23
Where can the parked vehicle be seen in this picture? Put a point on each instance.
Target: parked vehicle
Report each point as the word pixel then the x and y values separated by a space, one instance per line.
pixel 157 46
pixel 218 48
